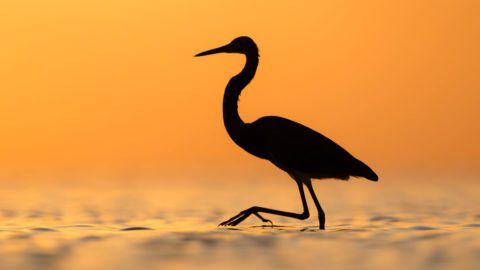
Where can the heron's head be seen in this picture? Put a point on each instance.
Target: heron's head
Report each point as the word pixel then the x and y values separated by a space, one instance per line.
pixel 243 45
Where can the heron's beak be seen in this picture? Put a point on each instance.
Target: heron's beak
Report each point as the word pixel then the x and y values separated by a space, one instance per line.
pixel 223 49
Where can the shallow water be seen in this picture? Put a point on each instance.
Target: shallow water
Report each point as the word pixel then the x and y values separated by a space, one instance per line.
pixel 369 226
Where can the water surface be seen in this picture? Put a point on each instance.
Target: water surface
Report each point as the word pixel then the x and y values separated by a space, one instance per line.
pixel 369 226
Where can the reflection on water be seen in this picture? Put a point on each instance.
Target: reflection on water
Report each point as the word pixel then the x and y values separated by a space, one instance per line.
pixel 368 227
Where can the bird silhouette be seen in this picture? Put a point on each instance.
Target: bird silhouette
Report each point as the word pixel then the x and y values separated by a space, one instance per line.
pixel 296 149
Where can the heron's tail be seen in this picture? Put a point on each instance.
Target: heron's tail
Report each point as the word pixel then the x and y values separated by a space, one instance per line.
pixel 362 170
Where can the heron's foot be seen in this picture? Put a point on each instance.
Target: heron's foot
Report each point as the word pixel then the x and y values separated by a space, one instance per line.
pixel 235 220
pixel 263 219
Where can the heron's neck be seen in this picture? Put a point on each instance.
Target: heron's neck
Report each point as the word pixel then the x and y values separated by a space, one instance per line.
pixel 231 118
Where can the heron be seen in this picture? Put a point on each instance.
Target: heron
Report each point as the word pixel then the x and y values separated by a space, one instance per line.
pixel 294 148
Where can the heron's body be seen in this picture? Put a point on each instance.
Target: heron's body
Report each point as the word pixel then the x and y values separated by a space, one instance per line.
pixel 298 150
pixel 302 151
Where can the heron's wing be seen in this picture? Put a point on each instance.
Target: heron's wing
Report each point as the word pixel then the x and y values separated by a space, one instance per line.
pixel 299 148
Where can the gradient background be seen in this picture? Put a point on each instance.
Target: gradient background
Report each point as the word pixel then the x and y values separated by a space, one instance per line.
pixel 111 88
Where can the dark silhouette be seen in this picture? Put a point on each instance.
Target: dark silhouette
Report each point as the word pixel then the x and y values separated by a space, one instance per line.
pixel 298 150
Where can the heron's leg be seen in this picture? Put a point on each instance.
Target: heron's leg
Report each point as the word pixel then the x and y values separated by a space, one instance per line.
pixel 256 210
pixel 321 214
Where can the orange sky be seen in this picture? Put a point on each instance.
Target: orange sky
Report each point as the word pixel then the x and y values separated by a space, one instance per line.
pixel 113 86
